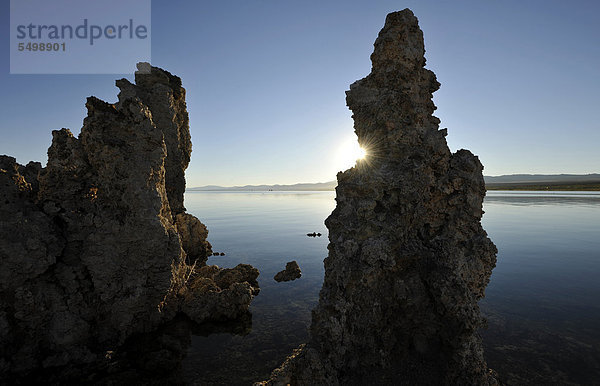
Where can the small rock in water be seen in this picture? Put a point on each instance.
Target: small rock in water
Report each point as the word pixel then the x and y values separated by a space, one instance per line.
pixel 314 234
pixel 215 253
pixel 291 272
pixel 222 254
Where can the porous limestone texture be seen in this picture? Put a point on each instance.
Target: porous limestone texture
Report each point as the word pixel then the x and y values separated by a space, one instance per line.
pixel 97 246
pixel 408 258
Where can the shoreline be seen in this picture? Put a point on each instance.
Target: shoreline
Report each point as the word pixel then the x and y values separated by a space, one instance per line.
pixel 593 187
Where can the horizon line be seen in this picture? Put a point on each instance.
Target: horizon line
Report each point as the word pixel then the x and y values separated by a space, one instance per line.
pixel 335 180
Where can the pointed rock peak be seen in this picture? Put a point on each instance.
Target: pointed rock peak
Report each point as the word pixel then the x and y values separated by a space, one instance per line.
pixel 400 43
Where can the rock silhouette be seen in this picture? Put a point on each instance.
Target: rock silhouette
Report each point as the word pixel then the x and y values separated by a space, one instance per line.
pixel 291 272
pixel 96 246
pixel 408 259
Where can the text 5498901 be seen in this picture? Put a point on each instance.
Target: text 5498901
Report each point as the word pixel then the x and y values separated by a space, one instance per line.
pixel 44 47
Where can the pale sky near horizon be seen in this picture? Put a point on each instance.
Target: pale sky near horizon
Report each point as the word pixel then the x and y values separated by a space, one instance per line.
pixel 265 83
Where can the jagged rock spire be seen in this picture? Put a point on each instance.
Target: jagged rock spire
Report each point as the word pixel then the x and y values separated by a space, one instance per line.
pixel 408 258
pixel 96 247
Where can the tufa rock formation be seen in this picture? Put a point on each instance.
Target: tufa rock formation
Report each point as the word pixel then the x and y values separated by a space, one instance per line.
pixel 291 272
pixel 97 247
pixel 408 258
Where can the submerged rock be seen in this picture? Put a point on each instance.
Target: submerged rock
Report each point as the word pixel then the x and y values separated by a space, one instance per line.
pixel 214 293
pixel 408 258
pixel 291 272
pixel 97 247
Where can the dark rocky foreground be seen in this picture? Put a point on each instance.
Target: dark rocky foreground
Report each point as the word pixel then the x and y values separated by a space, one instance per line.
pixel 104 276
pixel 98 257
pixel 408 258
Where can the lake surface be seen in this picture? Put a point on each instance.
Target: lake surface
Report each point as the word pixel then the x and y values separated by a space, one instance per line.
pixel 542 304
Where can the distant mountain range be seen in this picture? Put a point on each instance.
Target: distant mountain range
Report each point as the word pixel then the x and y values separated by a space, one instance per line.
pixel 492 182
pixel 544 182
pixel 541 178
pixel 264 188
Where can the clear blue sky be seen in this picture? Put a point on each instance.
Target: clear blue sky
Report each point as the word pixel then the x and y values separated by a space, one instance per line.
pixel 265 84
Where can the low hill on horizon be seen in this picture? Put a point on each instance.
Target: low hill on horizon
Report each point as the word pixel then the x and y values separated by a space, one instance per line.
pixel 318 186
pixel 541 178
pixel 512 181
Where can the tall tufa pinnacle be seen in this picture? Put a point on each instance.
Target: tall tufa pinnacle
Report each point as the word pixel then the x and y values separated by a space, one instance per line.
pixel 408 258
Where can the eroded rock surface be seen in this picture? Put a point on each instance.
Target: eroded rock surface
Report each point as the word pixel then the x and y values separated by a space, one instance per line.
pixel 215 293
pixel 96 246
pixel 408 258
pixel 291 272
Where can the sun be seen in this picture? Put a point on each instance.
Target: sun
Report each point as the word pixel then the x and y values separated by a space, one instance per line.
pixel 348 153
pixel 362 153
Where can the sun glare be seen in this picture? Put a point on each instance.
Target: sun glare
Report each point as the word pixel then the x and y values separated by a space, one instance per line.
pixel 348 153
pixel 362 153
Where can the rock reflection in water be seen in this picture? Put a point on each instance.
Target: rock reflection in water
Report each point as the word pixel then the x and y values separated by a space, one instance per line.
pixel 156 358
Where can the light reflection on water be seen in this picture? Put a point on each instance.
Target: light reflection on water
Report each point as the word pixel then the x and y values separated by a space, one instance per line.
pixel 542 301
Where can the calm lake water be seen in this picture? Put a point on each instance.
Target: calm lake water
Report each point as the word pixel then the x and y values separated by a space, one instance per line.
pixel 542 304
